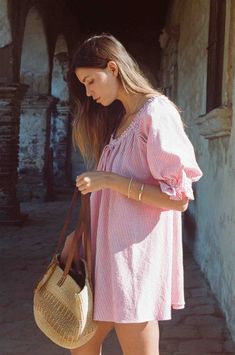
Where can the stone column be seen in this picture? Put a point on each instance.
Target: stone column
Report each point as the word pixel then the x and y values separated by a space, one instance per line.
pixel 60 144
pixel 10 99
pixel 35 156
pixel 168 73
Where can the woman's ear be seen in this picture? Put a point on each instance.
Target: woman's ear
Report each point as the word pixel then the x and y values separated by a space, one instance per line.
pixel 112 66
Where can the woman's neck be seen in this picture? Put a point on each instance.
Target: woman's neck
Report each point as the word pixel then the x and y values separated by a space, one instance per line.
pixel 131 102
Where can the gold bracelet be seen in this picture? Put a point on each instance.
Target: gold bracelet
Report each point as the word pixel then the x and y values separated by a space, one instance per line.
pixel 129 188
pixel 141 192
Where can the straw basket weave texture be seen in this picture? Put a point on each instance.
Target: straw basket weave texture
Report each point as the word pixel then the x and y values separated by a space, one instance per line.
pixel 64 312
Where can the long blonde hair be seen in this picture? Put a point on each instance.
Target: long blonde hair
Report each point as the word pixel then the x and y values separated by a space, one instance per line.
pixel 93 123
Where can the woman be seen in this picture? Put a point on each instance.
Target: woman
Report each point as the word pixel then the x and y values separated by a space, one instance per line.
pixel 144 168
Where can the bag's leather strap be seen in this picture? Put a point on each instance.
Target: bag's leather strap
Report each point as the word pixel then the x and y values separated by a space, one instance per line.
pixel 82 230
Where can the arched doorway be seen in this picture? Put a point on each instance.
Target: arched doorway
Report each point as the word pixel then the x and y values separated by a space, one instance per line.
pixel 34 153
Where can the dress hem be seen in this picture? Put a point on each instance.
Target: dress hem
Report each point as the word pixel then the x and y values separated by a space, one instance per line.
pixel 131 321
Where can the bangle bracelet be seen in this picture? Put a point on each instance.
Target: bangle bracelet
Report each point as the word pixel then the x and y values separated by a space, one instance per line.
pixel 141 192
pixel 129 188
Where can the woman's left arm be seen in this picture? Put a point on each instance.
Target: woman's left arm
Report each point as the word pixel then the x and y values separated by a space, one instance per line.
pixel 151 195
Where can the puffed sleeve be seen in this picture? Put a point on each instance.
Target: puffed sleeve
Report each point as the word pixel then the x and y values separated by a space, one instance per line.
pixel 170 153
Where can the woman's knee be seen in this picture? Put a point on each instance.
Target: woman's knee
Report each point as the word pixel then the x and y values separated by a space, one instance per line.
pixel 93 346
pixel 138 338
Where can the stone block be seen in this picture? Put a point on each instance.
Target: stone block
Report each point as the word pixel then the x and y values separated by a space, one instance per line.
pixel 204 309
pixel 204 320
pixel 181 331
pixel 200 301
pixel 201 345
pixel 169 345
pixel 229 346
pixel 194 281
pixel 199 292
pixel 211 331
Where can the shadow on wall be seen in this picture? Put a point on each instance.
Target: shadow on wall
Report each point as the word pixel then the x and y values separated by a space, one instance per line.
pixel 189 223
pixel 190 228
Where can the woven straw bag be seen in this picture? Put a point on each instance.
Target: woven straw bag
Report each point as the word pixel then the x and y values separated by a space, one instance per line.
pixel 63 299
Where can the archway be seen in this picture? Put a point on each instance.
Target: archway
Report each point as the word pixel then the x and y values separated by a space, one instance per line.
pixel 34 153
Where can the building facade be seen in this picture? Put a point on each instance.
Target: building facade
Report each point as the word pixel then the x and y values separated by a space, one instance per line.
pixel 186 48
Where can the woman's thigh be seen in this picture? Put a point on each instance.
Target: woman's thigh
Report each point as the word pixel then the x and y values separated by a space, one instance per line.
pixel 93 346
pixel 138 338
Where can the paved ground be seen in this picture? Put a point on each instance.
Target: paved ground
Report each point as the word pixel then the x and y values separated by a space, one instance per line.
pixel 199 329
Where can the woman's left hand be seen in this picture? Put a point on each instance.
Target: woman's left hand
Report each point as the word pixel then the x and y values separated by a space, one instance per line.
pixel 91 181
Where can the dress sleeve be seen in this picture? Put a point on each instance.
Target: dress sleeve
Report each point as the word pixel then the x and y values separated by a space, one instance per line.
pixel 170 153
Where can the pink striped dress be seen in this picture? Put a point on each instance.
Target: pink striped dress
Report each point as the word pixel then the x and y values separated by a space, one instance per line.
pixel 137 248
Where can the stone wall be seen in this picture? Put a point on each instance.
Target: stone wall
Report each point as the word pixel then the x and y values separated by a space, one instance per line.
pixel 210 220
pixel 61 118
pixel 34 70
pixel 34 160
pixel 5 30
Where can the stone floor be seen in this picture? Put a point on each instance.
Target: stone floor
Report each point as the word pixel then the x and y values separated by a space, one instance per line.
pixel 199 329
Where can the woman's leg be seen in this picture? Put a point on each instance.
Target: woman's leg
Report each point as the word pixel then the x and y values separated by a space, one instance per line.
pixel 93 346
pixel 138 338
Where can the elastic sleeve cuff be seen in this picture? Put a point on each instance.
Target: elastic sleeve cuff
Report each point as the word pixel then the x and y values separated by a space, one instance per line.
pixel 174 188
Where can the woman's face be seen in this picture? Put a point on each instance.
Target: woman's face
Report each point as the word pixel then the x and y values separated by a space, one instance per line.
pixel 101 84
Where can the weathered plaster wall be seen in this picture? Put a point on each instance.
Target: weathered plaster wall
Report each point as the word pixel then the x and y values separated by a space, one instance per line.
pixel 60 143
pixel 34 164
pixel 213 211
pixel 35 60
pixel 32 146
pixel 34 154
pixel 60 125
pixel 59 87
pixel 5 30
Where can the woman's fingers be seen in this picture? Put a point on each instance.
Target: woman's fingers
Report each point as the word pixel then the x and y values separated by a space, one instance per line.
pixel 83 183
pixel 89 181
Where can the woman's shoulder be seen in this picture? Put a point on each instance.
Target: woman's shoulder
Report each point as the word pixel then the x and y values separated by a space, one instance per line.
pixel 160 110
pixel 156 105
pixel 161 101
